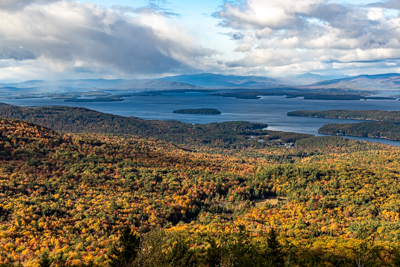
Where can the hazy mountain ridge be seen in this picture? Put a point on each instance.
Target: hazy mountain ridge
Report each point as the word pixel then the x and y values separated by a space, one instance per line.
pixel 309 78
pixel 225 81
pixel 388 81
pixel 73 83
pixel 154 84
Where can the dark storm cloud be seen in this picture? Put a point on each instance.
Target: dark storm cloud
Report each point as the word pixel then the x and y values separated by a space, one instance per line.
pixel 391 4
pixel 69 35
pixel 16 5
pixel 16 53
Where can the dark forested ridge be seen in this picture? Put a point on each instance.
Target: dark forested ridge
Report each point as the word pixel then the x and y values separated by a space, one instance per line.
pixel 376 129
pixel 96 199
pixel 384 124
pixel 373 115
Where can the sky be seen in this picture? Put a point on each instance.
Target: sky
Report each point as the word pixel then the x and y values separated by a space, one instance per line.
pixel 76 39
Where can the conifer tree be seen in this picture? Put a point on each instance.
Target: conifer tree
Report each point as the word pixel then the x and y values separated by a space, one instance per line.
pixel 129 248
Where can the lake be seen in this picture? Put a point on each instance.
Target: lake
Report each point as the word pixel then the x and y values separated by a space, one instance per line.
pixel 271 110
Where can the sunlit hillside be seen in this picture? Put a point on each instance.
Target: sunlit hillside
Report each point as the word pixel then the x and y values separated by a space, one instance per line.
pixel 68 198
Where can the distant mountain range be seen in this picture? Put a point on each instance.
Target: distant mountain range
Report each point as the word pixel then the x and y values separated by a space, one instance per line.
pixel 389 81
pixel 211 80
pixel 197 81
pixel 309 78
pixel 154 84
pixel 79 83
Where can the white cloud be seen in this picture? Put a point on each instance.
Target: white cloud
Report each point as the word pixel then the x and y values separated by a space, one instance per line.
pixel 311 33
pixel 269 37
pixel 67 36
pixel 244 47
pixel 265 14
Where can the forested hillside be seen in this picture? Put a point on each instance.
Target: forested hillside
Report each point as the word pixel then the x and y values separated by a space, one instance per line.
pixel 375 129
pixel 370 115
pixel 80 120
pixel 109 200
pixel 383 124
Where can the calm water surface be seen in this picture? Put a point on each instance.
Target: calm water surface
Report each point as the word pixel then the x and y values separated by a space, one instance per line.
pixel 271 110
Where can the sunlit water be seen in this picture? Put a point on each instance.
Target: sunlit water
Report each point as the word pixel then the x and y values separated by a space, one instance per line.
pixel 271 110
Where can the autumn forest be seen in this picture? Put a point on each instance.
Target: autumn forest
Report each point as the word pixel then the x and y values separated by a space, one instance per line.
pixel 105 190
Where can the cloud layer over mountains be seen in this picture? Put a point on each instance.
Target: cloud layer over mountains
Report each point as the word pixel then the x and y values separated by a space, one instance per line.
pixel 73 39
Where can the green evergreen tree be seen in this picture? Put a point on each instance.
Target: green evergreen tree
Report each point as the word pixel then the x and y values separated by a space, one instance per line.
pixel 212 257
pixel 180 254
pixel 239 250
pixel 274 255
pixel 128 251
pixel 396 258
pixel 45 260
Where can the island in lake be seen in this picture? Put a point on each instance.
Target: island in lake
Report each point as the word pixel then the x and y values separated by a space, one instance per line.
pixel 97 99
pixel 203 111
pixel 381 123
pixel 327 94
pixel 369 115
